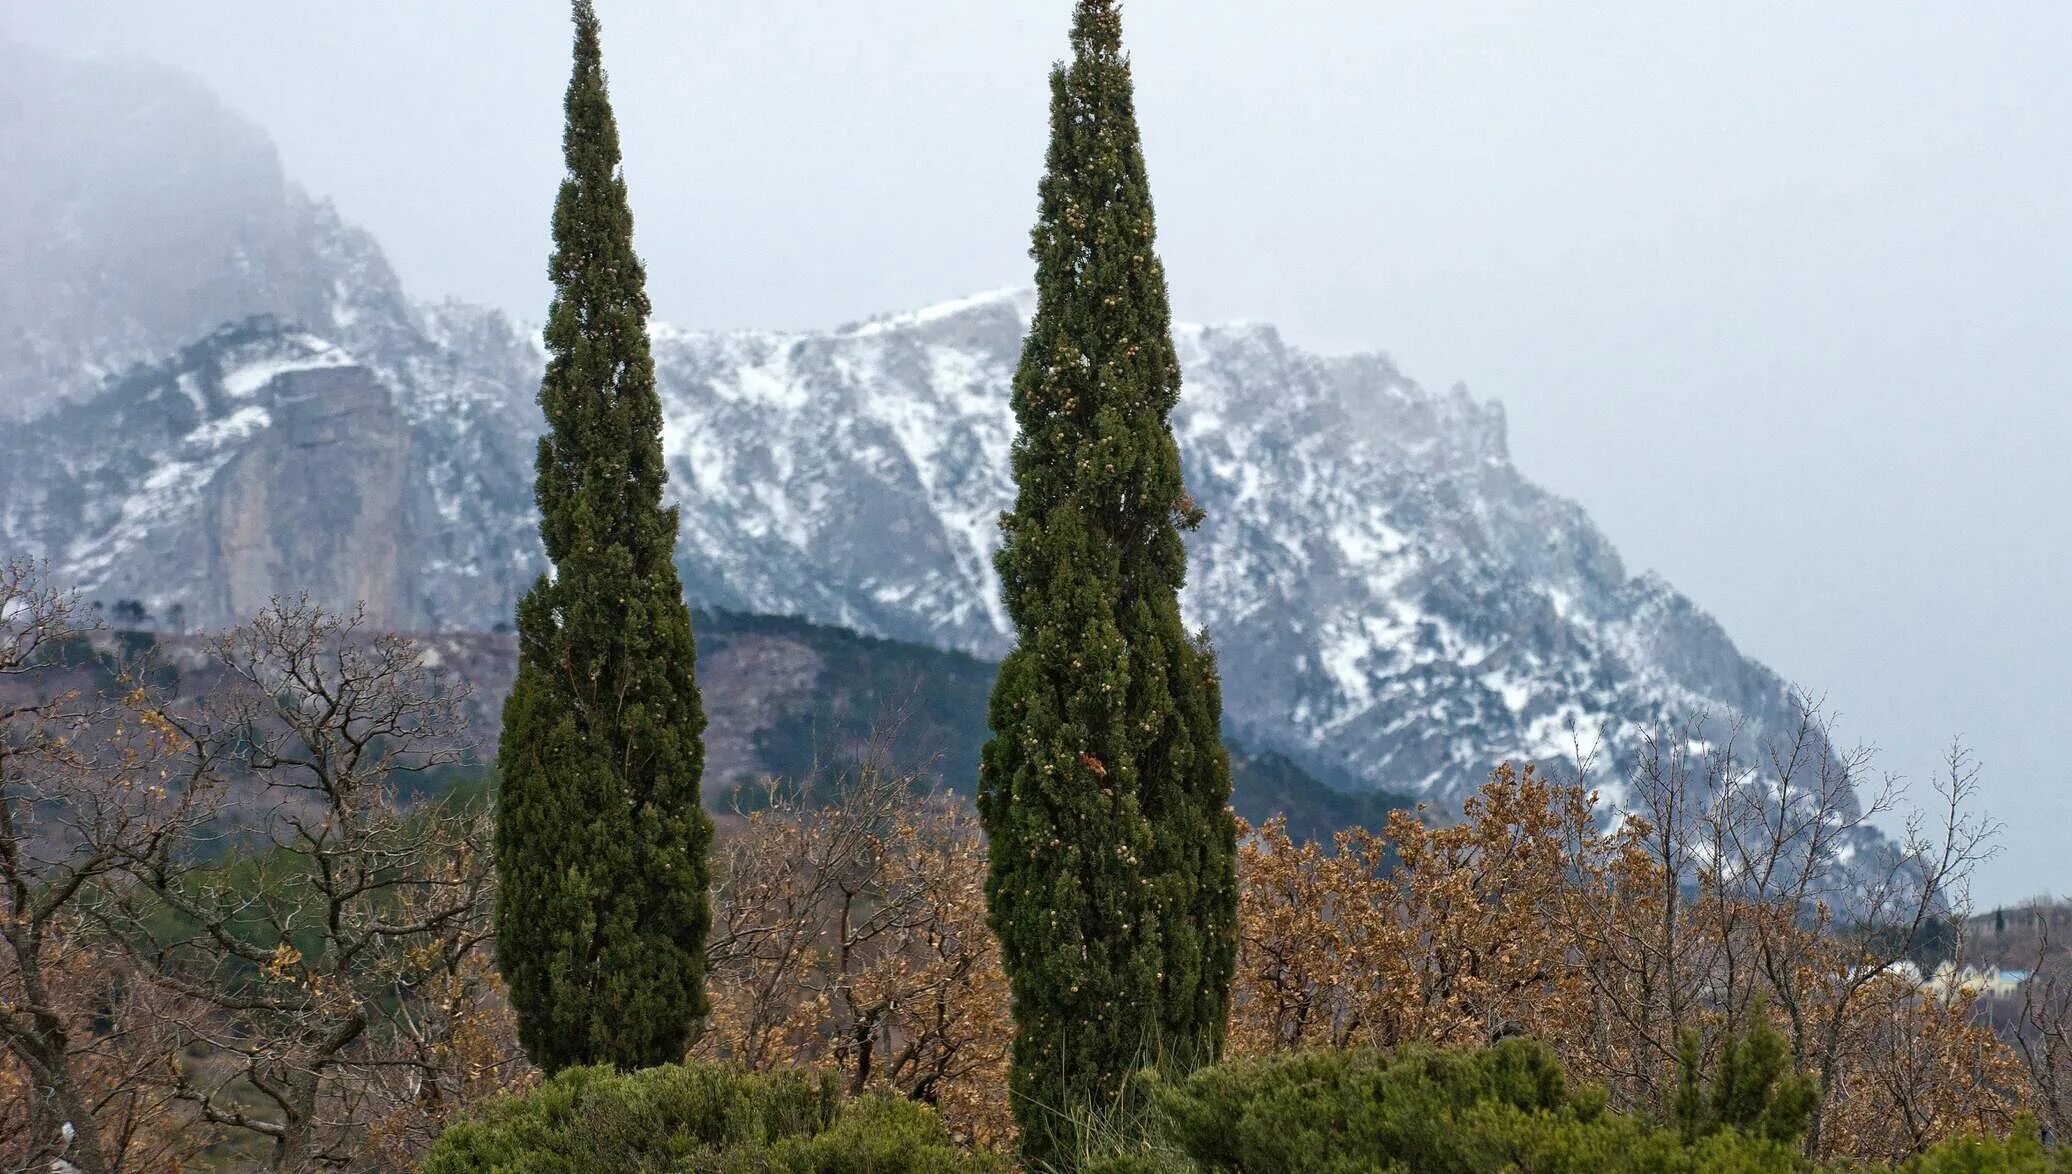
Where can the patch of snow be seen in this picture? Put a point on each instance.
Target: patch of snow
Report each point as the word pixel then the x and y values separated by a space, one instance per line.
pixel 1019 299
pixel 1368 540
pixel 243 380
pixel 1515 693
pixel 1342 656
pixel 771 382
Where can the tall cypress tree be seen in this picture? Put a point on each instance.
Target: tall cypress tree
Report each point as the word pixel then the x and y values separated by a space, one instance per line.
pixel 1104 787
pixel 601 842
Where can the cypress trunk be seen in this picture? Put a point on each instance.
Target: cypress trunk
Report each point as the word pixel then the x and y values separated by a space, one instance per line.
pixel 1104 787
pixel 601 842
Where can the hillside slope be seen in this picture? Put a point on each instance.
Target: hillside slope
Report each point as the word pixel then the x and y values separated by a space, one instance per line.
pixel 786 699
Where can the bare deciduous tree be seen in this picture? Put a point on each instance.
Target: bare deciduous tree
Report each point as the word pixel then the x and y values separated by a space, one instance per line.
pixel 328 954
pixel 2043 1029
pixel 1751 883
pixel 88 783
pixel 1830 916
pixel 849 931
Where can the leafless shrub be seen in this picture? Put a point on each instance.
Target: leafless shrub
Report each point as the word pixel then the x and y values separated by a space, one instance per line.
pixel 850 932
pixel 88 783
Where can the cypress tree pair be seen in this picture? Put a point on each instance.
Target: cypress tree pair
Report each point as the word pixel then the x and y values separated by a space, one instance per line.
pixel 1105 784
pixel 1104 787
pixel 601 842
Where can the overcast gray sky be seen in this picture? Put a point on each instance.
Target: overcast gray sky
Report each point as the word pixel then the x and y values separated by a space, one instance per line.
pixel 1780 291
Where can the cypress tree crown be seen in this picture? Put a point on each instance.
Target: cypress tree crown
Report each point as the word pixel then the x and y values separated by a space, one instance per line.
pixel 1104 788
pixel 601 842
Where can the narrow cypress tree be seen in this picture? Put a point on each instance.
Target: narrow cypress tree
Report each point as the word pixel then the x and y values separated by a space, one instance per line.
pixel 1104 788
pixel 601 842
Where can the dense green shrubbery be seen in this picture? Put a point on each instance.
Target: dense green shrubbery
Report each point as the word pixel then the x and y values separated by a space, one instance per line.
pixel 2020 1154
pixel 1505 1108
pixel 698 1118
pixel 1497 1109
pixel 1753 1089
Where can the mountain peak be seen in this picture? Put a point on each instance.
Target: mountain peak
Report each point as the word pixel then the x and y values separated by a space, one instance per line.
pixel 1017 302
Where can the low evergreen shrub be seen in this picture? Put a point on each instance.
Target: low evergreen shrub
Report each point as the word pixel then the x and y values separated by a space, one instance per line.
pixel 2022 1153
pixel 1502 1108
pixel 698 1119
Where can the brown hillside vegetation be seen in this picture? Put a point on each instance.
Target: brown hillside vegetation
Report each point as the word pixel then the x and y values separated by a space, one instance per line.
pixel 315 989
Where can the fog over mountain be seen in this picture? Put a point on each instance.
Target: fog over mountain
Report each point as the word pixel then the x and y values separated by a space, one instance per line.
pixel 140 214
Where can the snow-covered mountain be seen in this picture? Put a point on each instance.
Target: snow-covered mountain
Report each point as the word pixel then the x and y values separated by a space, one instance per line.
pixel 1393 601
pixel 264 459
pixel 1395 605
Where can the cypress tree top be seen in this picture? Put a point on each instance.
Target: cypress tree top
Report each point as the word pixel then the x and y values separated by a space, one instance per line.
pixel 601 841
pixel 600 470
pixel 1104 787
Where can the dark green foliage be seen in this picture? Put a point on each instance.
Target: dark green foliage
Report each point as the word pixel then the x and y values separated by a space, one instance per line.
pixel 467 781
pixel 870 1135
pixel 261 885
pixel 131 659
pixel 697 1117
pixel 129 614
pixel 1496 1109
pixel 930 705
pixel 1267 784
pixel 1104 787
pixel 1500 1109
pixel 601 842
pixel 2020 1153
pixel 1927 946
pixel 1753 1088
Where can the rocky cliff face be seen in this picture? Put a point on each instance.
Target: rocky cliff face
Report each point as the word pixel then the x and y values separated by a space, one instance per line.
pixel 315 498
pixel 264 460
pixel 1395 604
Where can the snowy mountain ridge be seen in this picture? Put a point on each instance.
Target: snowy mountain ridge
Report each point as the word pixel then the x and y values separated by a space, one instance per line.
pixel 1394 604
pixel 241 401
